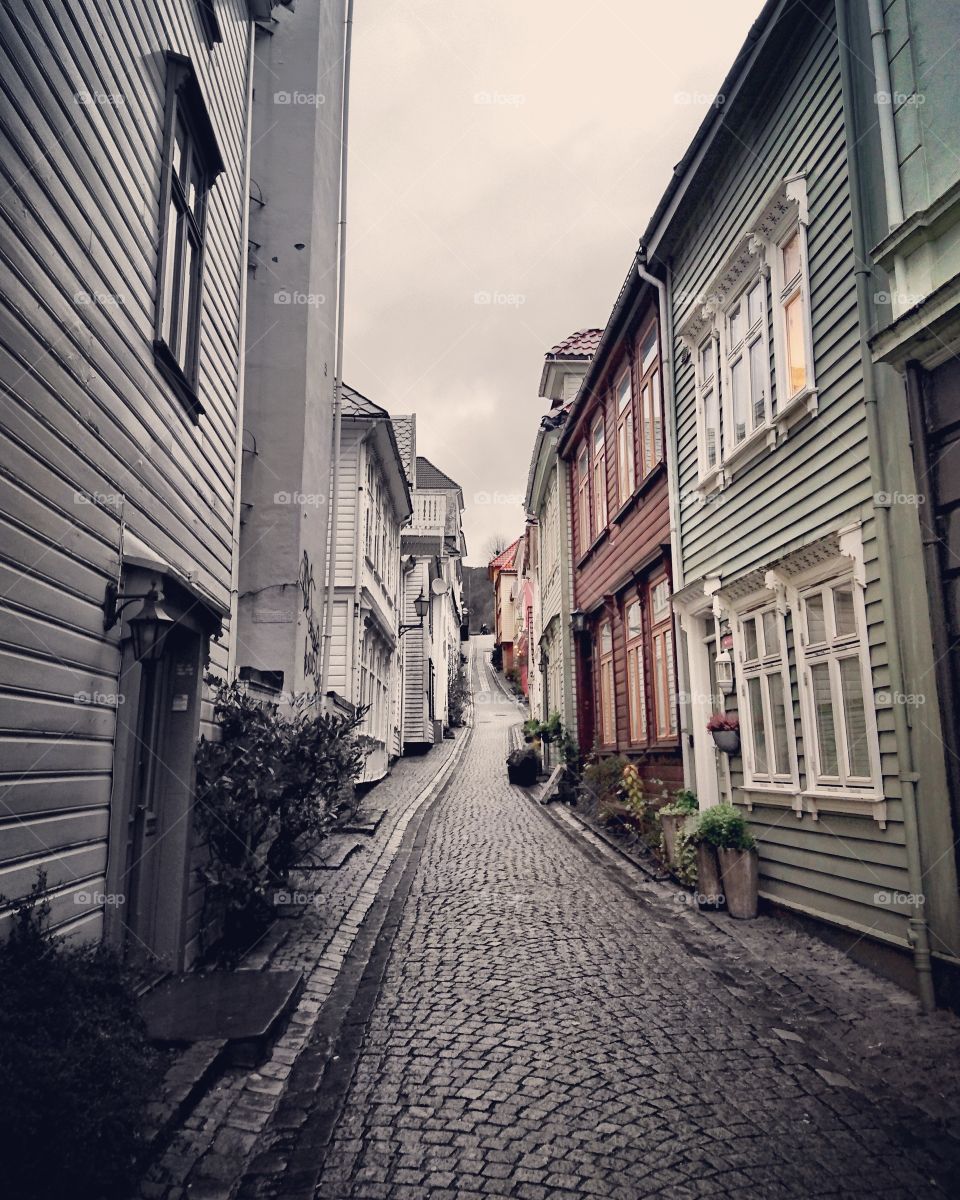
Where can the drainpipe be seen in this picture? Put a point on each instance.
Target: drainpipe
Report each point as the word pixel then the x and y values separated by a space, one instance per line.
pixel 665 294
pixel 919 933
pixel 327 630
pixel 884 102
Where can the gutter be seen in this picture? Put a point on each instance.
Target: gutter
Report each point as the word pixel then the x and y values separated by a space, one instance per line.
pixel 326 634
pixel 888 132
pixel 919 933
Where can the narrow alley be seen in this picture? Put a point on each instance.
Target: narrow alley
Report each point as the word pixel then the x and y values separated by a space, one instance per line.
pixel 535 1019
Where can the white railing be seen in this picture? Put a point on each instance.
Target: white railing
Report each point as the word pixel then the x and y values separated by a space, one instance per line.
pixel 429 513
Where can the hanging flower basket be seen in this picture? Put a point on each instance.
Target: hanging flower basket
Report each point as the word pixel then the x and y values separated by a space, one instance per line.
pixel 725 731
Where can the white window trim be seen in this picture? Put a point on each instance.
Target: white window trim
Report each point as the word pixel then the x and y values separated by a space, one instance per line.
pixel 764 435
pixel 757 250
pixel 754 607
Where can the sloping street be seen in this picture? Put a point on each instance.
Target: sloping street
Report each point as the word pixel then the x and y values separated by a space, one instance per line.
pixel 537 1020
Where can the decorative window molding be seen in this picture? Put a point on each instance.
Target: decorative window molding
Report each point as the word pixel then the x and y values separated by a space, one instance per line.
pixel 760 295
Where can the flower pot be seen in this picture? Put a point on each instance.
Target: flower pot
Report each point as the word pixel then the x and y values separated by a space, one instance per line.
pixel 727 740
pixel 739 871
pixel 709 888
pixel 671 826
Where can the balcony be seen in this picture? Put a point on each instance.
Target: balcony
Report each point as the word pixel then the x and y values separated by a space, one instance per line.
pixel 424 534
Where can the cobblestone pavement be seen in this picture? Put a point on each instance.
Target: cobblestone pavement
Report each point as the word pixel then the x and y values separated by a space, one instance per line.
pixel 546 1023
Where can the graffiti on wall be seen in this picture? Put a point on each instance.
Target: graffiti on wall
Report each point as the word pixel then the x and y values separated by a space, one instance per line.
pixel 312 641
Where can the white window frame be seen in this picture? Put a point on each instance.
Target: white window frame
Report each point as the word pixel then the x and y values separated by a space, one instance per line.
pixel 626 437
pixel 734 352
pixel 832 652
pixel 598 472
pixel 584 505
pixel 705 385
pixel 636 648
pixel 767 664
pixel 782 292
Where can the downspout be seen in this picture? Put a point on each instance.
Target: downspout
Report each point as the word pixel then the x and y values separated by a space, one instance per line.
pixel 665 295
pixel 884 101
pixel 327 631
pixel 919 934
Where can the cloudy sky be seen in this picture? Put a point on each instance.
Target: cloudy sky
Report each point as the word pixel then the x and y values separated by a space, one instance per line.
pixel 504 159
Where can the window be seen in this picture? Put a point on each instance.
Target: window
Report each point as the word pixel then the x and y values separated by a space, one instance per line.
pixel 607 691
pixel 209 25
pixel 842 732
pixel 599 479
pixel 708 406
pixel 191 162
pixel 747 363
pixel 661 643
pixel 626 453
pixel 636 696
pixel 766 705
pixel 794 315
pixel 651 441
pixel 583 499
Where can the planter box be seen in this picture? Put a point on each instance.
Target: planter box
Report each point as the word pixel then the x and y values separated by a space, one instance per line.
pixel 709 887
pixel 727 740
pixel 739 870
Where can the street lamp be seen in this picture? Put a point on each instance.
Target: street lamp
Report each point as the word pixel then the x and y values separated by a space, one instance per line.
pixel 578 621
pixel 150 626
pixel 420 607
pixel 724 669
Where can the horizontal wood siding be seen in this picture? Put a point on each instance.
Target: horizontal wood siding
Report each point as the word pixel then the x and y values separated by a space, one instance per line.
pixel 91 435
pixel 819 478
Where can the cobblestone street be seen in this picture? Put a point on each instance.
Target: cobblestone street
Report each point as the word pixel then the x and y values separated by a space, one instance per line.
pixel 535 1020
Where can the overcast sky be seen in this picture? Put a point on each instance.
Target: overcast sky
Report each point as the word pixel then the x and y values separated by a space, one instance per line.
pixel 504 159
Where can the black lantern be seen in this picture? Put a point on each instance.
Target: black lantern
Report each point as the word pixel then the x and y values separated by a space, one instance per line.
pixel 149 628
pixel 578 621
pixel 420 606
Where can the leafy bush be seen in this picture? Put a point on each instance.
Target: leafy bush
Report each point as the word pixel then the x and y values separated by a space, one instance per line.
pixel 683 803
pixel 458 695
pixel 76 1070
pixel 603 778
pixel 269 784
pixel 724 828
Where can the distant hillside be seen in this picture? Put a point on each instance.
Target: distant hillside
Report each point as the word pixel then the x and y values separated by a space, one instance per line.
pixel 478 596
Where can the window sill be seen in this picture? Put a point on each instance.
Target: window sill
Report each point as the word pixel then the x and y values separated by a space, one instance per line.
pixel 172 372
pixel 597 541
pixel 803 404
pixel 762 439
pixel 812 801
pixel 711 482
pixel 639 491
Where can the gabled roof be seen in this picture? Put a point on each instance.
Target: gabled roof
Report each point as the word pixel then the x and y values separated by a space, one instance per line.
pixel 578 345
pixel 506 560
pixel 353 404
pixel 429 476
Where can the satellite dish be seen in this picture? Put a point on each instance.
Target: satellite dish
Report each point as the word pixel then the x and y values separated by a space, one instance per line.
pixel 439 587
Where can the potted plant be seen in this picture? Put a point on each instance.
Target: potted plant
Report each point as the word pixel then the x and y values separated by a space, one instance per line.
pixel 724 830
pixel 673 817
pixel 726 732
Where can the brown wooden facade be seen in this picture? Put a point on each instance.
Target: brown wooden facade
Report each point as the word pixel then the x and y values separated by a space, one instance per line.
pixel 614 444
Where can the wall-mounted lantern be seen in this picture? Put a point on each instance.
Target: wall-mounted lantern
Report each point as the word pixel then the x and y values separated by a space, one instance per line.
pixel 578 621
pixel 420 606
pixel 724 668
pixel 150 626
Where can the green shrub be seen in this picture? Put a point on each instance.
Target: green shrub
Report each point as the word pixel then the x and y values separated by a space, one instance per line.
pixel 603 779
pixel 683 803
pixel 458 694
pixel 724 828
pixel 76 1070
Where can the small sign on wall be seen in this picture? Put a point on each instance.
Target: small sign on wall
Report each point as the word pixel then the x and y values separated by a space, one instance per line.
pixel 181 702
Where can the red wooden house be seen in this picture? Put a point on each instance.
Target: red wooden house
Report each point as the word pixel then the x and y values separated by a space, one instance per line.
pixel 613 441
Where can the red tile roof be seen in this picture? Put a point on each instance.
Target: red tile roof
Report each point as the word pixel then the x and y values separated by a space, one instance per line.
pixel 581 344
pixel 506 560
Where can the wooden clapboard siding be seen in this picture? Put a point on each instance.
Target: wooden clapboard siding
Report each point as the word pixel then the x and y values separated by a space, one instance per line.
pixel 819 478
pixel 92 438
pixel 416 659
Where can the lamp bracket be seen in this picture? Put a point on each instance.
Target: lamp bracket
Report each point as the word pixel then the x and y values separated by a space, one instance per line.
pixel 113 605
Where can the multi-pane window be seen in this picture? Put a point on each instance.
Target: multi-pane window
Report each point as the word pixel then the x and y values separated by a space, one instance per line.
pixel 583 498
pixel 793 314
pixel 599 478
pixel 836 671
pixel 651 441
pixel 661 645
pixel 626 453
pixel 190 164
pixel 708 405
pixel 607 690
pixel 636 695
pixel 765 699
pixel 747 363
